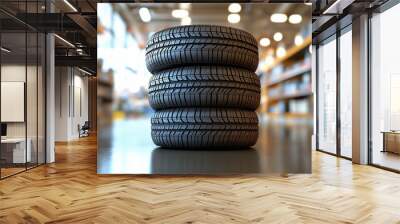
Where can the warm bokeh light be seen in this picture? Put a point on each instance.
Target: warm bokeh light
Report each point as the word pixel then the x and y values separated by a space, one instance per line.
pixel 280 51
pixel 145 15
pixel 278 18
pixel 180 13
pixel 234 8
pixel 278 36
pixel 298 40
pixel 265 41
pixel 186 21
pixel 295 19
pixel 233 18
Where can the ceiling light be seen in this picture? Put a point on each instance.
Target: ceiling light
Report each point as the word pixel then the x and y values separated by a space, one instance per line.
pixel 278 36
pixel 5 50
pixel 298 40
pixel 65 41
pixel 310 49
pixel 278 18
pixel 180 13
pixel 186 21
pixel 233 18
pixel 295 19
pixel 234 8
pixel 333 7
pixel 144 14
pixel 308 3
pixel 70 5
pixel 265 42
pixel 280 51
pixel 84 71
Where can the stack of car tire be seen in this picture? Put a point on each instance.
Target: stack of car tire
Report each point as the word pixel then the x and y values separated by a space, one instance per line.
pixel 203 88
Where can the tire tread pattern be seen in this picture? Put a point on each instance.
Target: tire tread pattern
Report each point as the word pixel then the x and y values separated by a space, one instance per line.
pixel 201 45
pixel 205 86
pixel 204 127
pixel 203 31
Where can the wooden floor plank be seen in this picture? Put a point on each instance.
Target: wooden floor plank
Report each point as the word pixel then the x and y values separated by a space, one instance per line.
pixel 70 191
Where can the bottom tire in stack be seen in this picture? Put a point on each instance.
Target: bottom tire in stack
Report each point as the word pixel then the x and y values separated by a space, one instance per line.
pixel 204 128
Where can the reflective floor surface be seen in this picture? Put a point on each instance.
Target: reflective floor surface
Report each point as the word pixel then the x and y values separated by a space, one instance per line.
pixel 386 159
pixel 284 146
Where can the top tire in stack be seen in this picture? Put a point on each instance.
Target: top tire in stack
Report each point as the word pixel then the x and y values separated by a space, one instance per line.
pixel 203 88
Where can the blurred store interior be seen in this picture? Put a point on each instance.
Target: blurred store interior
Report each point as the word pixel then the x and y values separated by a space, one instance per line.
pixel 283 32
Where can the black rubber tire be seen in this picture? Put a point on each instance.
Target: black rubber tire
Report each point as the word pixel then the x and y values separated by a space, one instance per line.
pixel 209 31
pixel 204 128
pixel 205 86
pixel 201 45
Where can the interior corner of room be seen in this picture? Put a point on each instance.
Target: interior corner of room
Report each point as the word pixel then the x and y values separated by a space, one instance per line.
pixel 71 102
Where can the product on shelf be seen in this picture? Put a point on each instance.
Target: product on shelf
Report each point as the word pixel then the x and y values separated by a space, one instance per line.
pixel 287 86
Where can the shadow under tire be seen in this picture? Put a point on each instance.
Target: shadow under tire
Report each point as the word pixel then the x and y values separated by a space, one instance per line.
pixel 201 45
pixel 205 86
pixel 204 128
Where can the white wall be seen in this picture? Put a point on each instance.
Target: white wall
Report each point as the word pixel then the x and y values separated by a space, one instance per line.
pixel 80 110
pixel 62 81
pixel 71 94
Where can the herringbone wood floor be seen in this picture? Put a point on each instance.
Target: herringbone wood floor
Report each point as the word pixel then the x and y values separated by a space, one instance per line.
pixel 69 191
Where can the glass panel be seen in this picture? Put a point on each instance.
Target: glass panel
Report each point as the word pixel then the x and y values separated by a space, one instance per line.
pixel 41 99
pixel 22 88
pixel 346 94
pixel 31 97
pixel 385 84
pixel 327 97
pixel 32 88
pixel 13 86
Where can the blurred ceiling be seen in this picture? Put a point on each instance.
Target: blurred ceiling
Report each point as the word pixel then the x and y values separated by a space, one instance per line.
pixel 75 20
pixel 255 18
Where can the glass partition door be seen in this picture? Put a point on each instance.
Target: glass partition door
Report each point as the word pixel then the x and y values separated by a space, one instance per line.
pixel 346 93
pixel 385 89
pixel 22 91
pixel 327 96
pixel 14 153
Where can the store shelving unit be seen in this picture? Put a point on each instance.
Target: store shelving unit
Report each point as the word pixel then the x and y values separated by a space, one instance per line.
pixel 297 95
pixel 286 84
pixel 105 86
pixel 104 104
